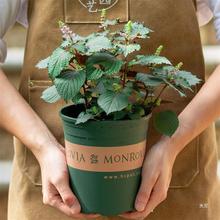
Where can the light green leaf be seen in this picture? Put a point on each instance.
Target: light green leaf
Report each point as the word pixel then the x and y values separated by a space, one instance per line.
pixel 112 102
pixel 102 63
pixel 51 95
pixel 69 83
pixel 136 30
pixel 75 38
pixel 149 60
pixel 149 80
pixel 166 122
pixel 98 44
pixel 80 47
pixel 66 43
pixel 189 77
pixel 127 49
pixel 83 117
pixel 175 87
pixel 43 64
pixel 94 73
pixel 59 60
pixel 108 22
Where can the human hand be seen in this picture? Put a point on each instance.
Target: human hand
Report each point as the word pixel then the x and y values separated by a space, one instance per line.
pixel 156 176
pixel 55 182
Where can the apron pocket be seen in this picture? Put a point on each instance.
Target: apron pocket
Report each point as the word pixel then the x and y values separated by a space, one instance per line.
pixel 49 113
pixel 88 11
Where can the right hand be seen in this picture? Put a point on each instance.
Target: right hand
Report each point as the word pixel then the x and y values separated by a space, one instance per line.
pixel 55 182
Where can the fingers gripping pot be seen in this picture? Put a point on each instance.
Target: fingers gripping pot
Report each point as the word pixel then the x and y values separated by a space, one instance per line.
pixel 104 160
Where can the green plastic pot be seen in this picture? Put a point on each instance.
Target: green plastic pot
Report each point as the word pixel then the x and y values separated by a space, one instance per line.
pixel 104 161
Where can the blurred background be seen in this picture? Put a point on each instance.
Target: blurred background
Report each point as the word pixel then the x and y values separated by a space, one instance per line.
pixel 15 39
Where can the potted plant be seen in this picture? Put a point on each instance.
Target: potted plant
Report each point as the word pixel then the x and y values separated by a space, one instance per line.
pixel 109 104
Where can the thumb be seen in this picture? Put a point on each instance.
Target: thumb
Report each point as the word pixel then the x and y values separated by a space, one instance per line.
pixel 144 193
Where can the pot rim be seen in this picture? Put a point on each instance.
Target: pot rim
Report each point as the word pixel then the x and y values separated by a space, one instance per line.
pixel 71 119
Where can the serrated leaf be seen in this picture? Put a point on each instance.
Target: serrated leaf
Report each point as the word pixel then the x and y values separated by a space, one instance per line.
pixel 50 95
pixel 149 60
pixel 102 63
pixel 65 44
pixel 189 77
pixel 137 30
pixel 98 44
pixel 69 83
pixel 43 64
pixel 179 81
pixel 112 102
pixel 163 71
pixel 108 22
pixel 127 49
pixel 94 73
pixel 175 87
pixel 59 60
pixel 149 80
pixel 83 117
pixel 166 122
pixel 75 38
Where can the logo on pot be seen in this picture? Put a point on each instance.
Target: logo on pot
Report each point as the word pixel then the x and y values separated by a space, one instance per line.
pixel 105 159
pixel 98 5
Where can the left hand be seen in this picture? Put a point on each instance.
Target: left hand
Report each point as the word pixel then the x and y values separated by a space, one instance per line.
pixel 156 177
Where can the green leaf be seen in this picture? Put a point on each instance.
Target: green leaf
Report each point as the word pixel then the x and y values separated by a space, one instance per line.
pixel 119 115
pixel 108 22
pixel 59 60
pixel 189 77
pixel 69 83
pixel 43 64
pixel 164 71
pixel 127 49
pixel 80 47
pixel 175 87
pixel 76 38
pixel 149 60
pixel 98 43
pixel 136 30
pixel 83 117
pixel 149 80
pixel 94 73
pixel 65 44
pixel 102 63
pixel 166 122
pixel 137 112
pixel 112 102
pixel 78 99
pixel 51 95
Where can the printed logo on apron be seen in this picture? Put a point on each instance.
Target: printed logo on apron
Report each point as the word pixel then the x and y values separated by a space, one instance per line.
pixel 89 11
pixel 98 5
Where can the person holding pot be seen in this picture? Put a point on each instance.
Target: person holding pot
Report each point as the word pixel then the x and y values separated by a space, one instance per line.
pixel 179 179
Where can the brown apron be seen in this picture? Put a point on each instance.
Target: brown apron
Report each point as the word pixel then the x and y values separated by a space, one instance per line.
pixel 193 193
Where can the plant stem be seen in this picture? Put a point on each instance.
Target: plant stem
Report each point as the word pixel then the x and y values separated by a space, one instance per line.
pixel 162 90
pixel 146 95
pixel 86 100
pixel 125 73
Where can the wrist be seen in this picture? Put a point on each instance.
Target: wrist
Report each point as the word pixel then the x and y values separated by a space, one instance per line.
pixel 171 144
pixel 42 146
